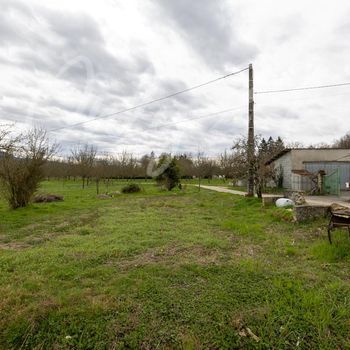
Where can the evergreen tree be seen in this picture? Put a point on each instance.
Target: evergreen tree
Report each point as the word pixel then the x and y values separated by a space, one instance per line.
pixel 279 145
pixel 170 178
pixel 270 145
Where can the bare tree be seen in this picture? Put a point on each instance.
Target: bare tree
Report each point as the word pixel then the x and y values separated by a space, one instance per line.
pixel 101 170
pixel 343 142
pixel 185 164
pixel 226 162
pixel 21 165
pixel 7 140
pixel 199 167
pixel 84 157
pixel 262 152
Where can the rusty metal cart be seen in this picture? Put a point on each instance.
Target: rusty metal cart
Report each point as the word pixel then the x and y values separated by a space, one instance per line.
pixel 339 218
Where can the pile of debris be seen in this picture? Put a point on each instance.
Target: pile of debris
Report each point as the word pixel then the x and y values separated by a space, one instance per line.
pixel 47 198
pixel 298 198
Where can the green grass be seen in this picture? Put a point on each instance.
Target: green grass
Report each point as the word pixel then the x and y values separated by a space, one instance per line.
pixel 183 270
pixel 208 182
pixel 271 190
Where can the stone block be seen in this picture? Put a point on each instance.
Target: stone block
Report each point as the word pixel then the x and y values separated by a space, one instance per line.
pixel 309 212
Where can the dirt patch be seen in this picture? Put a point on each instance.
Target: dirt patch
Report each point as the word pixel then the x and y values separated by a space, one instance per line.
pixel 248 250
pixel 103 196
pixel 242 248
pixel 89 219
pixel 13 246
pixel 310 234
pixel 62 226
pixel 31 226
pixel 172 255
pixel 180 255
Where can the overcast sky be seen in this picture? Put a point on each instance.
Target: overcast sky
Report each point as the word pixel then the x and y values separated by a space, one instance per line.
pixel 68 61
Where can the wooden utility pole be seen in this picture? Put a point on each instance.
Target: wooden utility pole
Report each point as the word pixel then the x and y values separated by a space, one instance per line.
pixel 250 151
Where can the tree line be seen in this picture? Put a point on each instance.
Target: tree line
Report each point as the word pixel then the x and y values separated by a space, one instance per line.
pixel 27 159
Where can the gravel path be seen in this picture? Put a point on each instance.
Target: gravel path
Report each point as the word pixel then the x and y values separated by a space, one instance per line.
pixel 312 200
pixel 222 189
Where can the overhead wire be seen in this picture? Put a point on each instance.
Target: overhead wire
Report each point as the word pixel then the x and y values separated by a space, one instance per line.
pixel 301 88
pixel 144 104
pixel 178 122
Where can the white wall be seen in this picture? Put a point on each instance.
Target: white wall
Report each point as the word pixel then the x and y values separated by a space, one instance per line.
pixel 286 162
pixel 299 156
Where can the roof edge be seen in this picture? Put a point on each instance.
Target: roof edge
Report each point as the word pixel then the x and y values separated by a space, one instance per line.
pixel 278 155
pixel 286 150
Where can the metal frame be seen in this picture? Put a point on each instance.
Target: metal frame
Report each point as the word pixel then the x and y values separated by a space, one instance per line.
pixel 339 218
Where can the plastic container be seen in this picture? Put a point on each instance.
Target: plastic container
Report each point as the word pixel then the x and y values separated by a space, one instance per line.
pixel 284 203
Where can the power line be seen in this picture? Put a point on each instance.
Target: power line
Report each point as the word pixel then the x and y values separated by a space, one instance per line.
pixel 300 89
pixel 151 102
pixel 194 118
pixel 177 122
pixel 304 98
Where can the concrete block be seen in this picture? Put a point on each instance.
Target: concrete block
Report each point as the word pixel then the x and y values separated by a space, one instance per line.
pixel 309 212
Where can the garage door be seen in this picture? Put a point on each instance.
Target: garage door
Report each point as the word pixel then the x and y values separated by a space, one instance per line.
pixel 329 168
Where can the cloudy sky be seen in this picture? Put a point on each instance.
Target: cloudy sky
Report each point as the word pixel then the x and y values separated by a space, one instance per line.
pixel 69 61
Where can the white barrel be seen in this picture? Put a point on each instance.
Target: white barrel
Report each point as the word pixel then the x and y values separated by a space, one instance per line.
pixel 284 202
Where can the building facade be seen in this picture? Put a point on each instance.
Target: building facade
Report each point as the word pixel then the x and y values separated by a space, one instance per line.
pixel 297 166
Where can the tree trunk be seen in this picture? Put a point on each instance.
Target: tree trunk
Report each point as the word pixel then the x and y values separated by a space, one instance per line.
pixel 259 190
pixel 97 185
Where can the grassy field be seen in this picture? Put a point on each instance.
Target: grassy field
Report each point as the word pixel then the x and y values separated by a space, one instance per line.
pixel 159 270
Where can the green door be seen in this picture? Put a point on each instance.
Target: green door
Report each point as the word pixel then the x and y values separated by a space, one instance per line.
pixel 331 183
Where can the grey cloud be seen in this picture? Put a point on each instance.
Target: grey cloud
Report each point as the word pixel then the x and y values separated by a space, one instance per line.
pixel 11 113
pixel 66 106
pixel 288 28
pixel 11 14
pixel 340 43
pixel 8 33
pixel 278 113
pixel 23 114
pixel 168 87
pixel 277 121
pixel 60 39
pixel 344 26
pixel 223 125
pixel 55 47
pixel 206 25
pixel 179 105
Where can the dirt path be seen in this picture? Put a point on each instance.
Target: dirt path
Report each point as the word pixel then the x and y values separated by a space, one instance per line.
pixel 222 189
pixel 312 200
pixel 327 200
pixel 227 190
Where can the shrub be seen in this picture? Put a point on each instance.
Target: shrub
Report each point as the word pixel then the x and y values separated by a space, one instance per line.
pixel 21 166
pixel 170 177
pixel 131 188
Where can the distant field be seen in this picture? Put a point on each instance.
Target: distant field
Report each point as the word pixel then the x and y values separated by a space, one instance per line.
pixel 160 270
